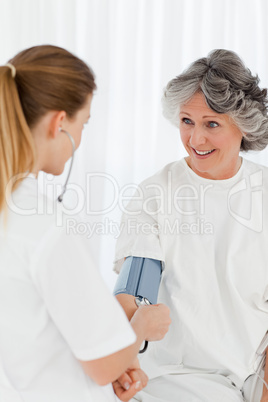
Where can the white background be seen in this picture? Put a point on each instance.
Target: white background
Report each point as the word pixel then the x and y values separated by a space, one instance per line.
pixel 134 47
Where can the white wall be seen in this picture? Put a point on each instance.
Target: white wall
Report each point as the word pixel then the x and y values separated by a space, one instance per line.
pixel 134 47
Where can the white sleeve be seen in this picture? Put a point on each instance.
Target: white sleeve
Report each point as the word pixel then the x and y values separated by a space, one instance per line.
pixel 139 234
pixel 85 312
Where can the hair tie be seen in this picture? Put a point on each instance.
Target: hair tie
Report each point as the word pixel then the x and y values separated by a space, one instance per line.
pixel 12 68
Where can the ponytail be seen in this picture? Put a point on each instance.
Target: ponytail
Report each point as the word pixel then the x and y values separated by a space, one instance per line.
pixel 17 154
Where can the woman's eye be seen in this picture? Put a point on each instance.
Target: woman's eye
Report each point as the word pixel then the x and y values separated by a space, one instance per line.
pixel 213 124
pixel 186 121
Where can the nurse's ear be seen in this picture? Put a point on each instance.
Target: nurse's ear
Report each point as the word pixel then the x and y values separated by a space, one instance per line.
pixel 55 123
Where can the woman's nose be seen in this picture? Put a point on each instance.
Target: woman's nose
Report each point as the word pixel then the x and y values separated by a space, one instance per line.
pixel 198 137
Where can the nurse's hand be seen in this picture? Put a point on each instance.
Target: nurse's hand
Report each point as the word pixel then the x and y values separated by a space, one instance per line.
pixel 153 321
pixel 129 383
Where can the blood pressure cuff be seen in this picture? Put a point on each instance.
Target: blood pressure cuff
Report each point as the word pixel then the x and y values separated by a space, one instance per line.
pixel 140 277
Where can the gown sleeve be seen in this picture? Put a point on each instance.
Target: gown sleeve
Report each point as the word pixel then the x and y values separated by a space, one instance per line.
pixel 139 234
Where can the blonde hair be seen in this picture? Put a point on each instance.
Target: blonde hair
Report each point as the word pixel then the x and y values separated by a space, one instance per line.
pixel 47 78
pixel 17 153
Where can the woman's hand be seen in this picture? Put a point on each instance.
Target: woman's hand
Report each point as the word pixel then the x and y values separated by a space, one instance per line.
pixel 129 383
pixel 153 321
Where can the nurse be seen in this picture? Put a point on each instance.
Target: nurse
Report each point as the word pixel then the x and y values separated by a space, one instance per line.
pixel 63 336
pixel 209 226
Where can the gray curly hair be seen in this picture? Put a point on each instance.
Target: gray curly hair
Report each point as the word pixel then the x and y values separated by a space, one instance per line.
pixel 229 88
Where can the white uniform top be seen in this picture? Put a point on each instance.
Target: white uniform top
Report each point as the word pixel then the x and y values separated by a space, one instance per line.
pixel 212 236
pixel 54 309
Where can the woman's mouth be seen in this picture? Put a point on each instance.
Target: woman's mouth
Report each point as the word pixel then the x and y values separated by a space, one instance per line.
pixel 203 154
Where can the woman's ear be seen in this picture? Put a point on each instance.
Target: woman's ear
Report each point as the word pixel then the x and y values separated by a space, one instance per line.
pixel 56 122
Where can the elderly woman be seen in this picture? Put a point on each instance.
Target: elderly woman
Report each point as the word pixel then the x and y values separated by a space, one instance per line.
pixel 206 218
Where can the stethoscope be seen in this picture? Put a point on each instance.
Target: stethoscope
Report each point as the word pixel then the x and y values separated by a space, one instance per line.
pixel 60 197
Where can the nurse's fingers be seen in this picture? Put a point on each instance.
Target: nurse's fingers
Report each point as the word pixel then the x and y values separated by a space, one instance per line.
pixel 139 375
pixel 129 383
pixel 125 380
pixel 154 320
pixel 133 375
pixel 124 395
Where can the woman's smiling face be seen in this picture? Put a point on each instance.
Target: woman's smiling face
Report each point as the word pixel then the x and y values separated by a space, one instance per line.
pixel 211 139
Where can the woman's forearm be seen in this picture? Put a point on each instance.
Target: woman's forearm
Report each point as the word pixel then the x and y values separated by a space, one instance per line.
pixel 128 304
